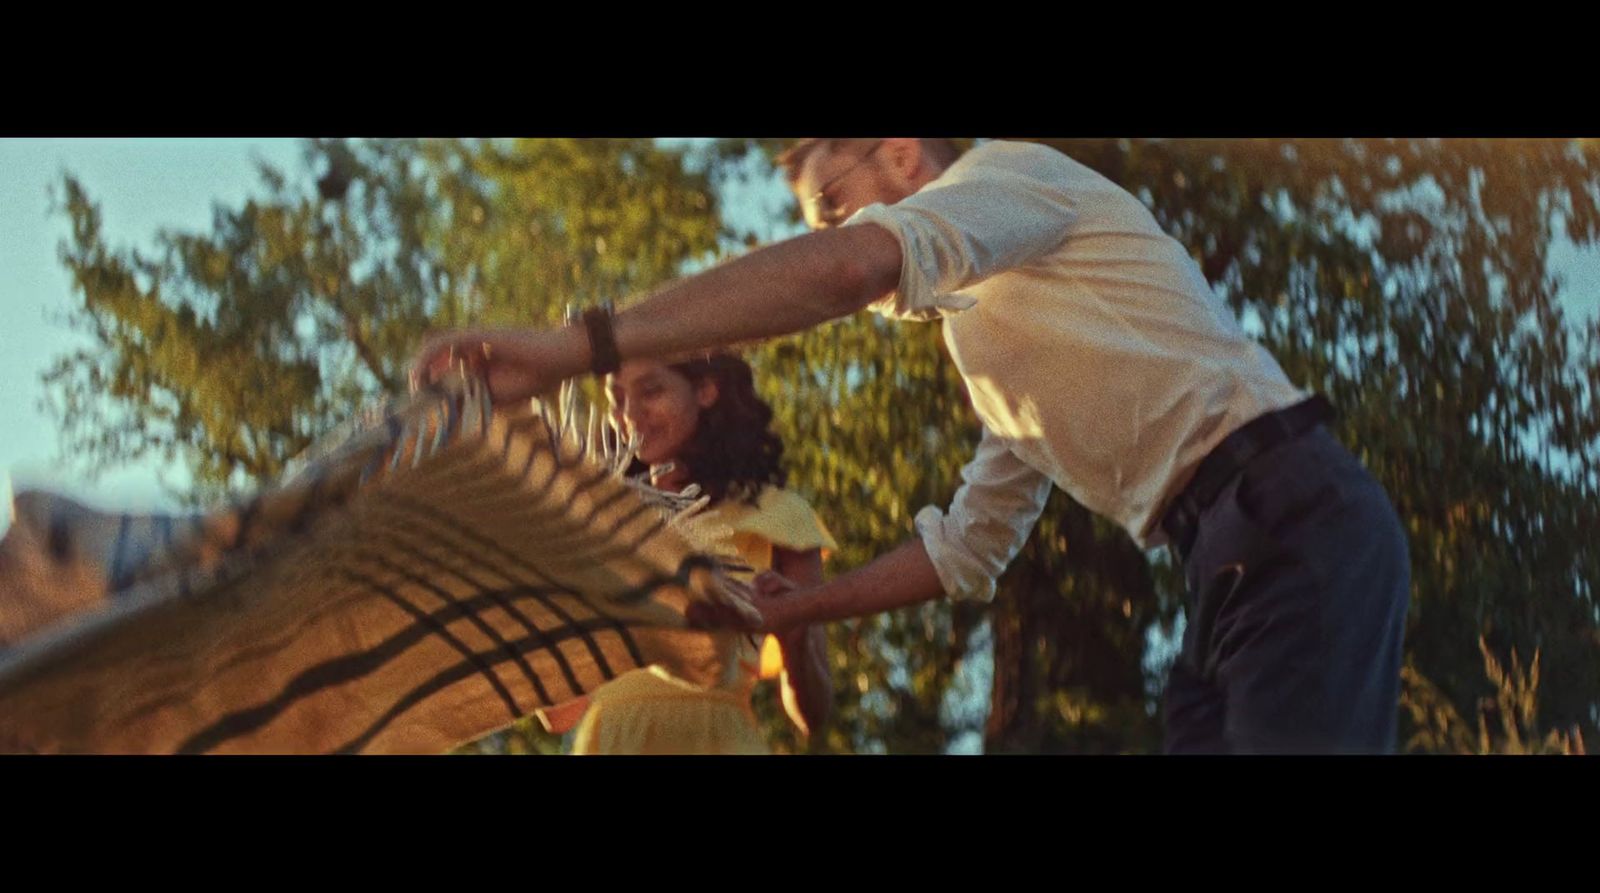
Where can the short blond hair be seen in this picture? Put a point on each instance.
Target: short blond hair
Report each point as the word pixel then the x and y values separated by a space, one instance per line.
pixel 942 150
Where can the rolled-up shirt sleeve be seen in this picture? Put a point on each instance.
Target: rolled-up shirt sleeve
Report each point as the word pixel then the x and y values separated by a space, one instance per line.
pixel 986 215
pixel 988 521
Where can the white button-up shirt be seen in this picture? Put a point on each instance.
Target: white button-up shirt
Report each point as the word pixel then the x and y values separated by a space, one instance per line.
pixel 1095 352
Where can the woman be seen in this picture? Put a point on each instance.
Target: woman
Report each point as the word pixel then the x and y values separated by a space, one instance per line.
pixel 701 422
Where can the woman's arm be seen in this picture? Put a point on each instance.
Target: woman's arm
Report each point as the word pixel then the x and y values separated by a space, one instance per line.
pixel 561 718
pixel 806 684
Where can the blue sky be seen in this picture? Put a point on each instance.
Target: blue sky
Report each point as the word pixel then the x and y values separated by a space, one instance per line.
pixel 143 186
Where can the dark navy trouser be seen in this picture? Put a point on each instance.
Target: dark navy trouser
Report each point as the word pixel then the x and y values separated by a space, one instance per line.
pixel 1298 582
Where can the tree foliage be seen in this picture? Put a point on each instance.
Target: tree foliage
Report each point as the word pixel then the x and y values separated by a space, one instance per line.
pixel 1405 279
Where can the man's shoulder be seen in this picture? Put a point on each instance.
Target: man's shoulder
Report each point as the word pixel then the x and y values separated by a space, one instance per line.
pixel 1031 161
pixel 1011 155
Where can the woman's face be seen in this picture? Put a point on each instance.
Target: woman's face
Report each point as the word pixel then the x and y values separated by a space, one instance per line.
pixel 653 401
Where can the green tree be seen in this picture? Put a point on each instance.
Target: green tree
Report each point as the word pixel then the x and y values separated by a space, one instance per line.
pixel 1404 278
pixel 231 350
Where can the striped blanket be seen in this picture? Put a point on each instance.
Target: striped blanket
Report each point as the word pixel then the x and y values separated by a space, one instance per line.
pixel 435 572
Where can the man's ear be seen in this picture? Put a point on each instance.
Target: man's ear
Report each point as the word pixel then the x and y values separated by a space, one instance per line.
pixel 903 155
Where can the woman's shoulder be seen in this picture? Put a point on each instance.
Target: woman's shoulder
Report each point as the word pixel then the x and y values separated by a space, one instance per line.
pixel 787 519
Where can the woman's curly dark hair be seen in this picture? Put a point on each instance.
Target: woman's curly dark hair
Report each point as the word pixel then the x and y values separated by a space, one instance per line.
pixel 733 454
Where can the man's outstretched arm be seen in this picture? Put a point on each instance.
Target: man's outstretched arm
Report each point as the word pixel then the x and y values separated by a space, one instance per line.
pixel 777 290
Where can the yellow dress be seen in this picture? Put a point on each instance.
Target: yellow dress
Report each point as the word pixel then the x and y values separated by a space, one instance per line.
pixel 650 711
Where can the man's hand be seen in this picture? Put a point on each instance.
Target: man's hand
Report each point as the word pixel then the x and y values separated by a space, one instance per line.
pixel 768 595
pixel 773 594
pixel 507 360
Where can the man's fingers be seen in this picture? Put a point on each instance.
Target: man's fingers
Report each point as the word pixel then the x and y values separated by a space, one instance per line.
pixel 771 583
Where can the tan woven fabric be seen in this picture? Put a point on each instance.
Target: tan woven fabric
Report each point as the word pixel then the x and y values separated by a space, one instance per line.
pixel 434 573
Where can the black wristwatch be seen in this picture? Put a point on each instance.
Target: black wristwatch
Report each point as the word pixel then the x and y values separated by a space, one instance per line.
pixel 604 358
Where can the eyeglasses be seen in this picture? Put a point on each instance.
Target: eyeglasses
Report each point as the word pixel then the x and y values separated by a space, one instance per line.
pixel 828 213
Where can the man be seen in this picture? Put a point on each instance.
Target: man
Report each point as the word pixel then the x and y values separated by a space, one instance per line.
pixel 1099 360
